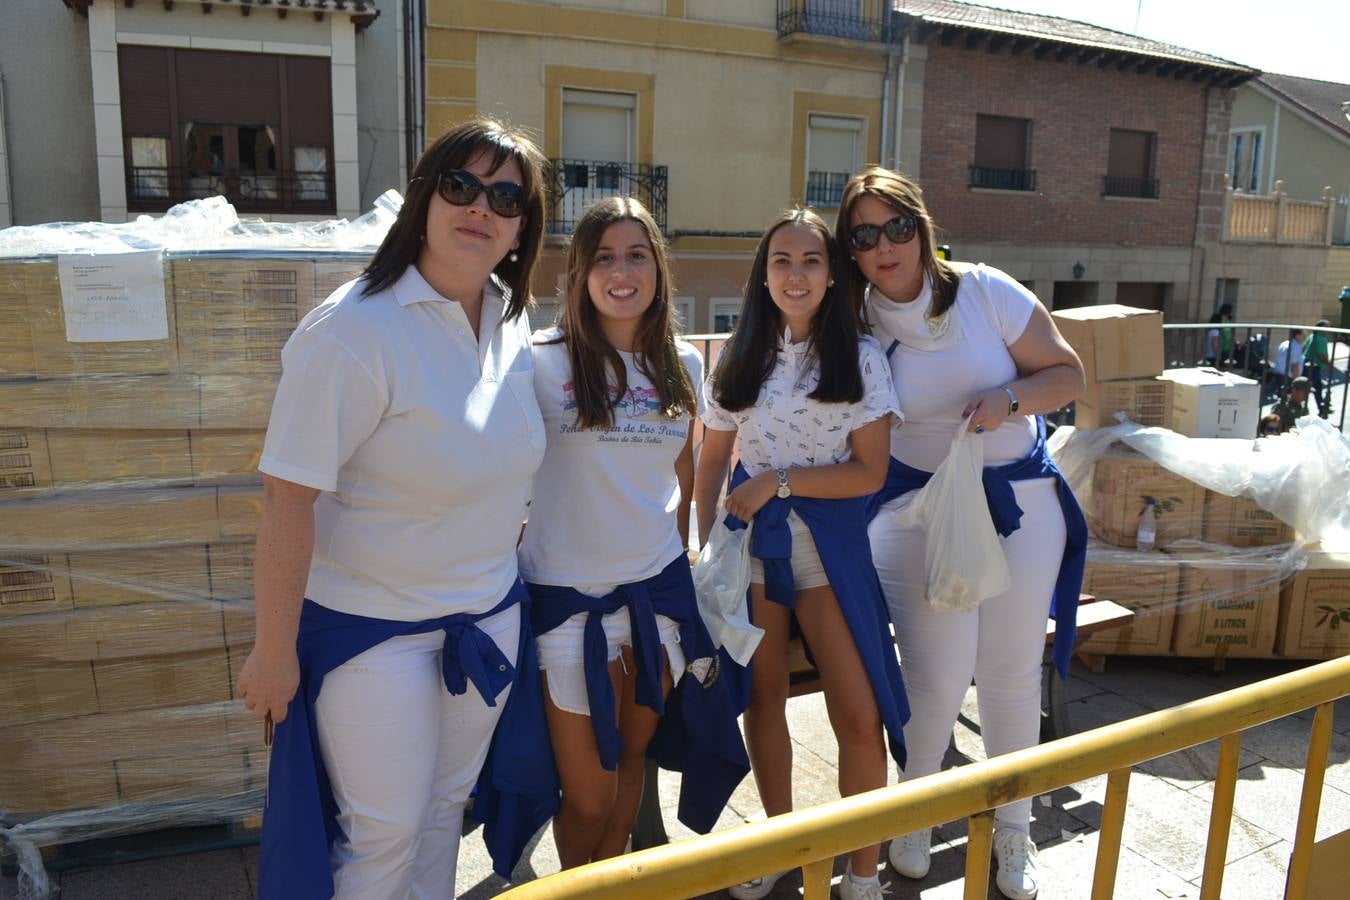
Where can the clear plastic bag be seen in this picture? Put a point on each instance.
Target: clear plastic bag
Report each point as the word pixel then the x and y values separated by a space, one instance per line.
pixel 963 556
pixel 721 578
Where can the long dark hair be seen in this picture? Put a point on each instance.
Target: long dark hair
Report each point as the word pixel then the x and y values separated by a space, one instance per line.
pixel 592 357
pixel 903 195
pixel 454 150
pixel 750 353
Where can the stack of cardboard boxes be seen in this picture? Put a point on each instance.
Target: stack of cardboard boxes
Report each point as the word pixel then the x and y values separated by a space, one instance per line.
pixel 129 499
pixel 1188 602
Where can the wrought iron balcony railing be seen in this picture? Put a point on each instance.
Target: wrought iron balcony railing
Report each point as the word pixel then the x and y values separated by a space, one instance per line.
pixel 825 189
pixel 858 20
pixel 1003 179
pixel 1130 186
pixel 574 184
pixel 154 188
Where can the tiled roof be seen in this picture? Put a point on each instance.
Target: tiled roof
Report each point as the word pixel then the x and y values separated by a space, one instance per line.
pixel 1052 29
pixel 1323 99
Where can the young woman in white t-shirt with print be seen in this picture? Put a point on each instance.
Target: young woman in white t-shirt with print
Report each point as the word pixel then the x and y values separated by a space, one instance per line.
pixel 604 551
pixel 808 404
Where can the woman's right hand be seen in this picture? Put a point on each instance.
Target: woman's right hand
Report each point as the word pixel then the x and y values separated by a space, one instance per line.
pixel 268 681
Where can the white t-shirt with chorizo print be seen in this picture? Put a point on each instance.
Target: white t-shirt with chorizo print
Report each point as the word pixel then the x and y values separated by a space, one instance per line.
pixel 786 429
pixel 605 500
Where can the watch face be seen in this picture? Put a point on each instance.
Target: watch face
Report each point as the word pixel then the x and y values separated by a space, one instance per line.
pixel 784 491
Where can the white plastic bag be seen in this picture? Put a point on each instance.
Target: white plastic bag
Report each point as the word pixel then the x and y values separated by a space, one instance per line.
pixel 963 557
pixel 721 579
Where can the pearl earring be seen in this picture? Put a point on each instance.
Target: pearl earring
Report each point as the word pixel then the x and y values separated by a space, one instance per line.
pixel 513 257
pixel 830 283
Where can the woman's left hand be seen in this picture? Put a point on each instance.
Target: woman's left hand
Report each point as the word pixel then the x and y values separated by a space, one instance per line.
pixel 986 411
pixel 750 497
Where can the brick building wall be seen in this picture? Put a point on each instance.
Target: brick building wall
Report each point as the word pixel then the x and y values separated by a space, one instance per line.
pixel 1072 108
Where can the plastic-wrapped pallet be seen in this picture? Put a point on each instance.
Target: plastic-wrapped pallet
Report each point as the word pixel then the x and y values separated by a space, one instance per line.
pixel 129 500
pixel 1228 514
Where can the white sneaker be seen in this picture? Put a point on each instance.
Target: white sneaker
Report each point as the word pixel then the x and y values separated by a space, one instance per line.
pixel 909 854
pixel 1016 856
pixel 852 890
pixel 755 888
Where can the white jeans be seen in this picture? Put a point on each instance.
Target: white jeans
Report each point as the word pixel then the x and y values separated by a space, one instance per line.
pixel 402 754
pixel 1000 645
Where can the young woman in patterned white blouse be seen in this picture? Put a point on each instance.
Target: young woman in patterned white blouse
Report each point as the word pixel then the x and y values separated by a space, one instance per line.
pixel 808 403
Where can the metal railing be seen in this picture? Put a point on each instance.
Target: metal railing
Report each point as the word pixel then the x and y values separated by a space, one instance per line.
pixel 155 188
pixel 1252 353
pixel 574 184
pixel 824 190
pixel 1130 186
pixel 812 838
pixel 1003 179
pixel 857 20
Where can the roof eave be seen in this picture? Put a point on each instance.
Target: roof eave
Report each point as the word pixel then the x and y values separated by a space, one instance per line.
pixel 924 27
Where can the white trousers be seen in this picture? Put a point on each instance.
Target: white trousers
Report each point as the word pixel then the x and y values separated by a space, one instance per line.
pixel 1000 645
pixel 402 754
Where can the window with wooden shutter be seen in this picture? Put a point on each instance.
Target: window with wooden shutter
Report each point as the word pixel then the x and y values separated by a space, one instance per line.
pixel 1129 165
pixel 1002 154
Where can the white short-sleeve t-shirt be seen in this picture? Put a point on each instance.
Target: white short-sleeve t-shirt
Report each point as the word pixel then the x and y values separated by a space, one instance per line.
pixel 605 499
pixel 936 376
pixel 423 441
pixel 786 429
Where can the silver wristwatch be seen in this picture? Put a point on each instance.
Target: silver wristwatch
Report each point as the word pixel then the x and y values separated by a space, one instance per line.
pixel 784 491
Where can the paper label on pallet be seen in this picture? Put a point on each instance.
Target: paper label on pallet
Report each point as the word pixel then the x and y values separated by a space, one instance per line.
pixel 114 296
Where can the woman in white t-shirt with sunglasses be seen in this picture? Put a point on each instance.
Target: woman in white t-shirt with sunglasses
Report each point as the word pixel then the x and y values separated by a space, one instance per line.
pixel 967 343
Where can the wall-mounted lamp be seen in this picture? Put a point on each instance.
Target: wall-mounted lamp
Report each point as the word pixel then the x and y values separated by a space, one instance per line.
pixel 1079 270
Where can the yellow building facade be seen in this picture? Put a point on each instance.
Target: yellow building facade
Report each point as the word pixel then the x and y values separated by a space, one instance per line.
pixel 698 107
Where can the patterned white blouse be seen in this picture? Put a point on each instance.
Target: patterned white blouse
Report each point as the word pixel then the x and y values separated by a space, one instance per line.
pixel 785 429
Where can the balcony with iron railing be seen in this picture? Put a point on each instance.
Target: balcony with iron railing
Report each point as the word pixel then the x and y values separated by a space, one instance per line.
pixel 854 20
pixel 824 190
pixel 574 184
pixel 1134 186
pixel 1002 179
pixel 156 188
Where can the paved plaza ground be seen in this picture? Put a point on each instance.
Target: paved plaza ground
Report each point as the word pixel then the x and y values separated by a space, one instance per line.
pixel 1165 826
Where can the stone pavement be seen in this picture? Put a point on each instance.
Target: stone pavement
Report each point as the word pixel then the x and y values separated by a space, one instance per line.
pixel 1165 826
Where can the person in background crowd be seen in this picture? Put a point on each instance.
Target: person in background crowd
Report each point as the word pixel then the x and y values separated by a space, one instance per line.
pixel 396 470
pixel 1288 362
pixel 1219 341
pixel 1294 405
pixel 808 404
pixel 968 347
pixel 1270 425
pixel 604 554
pixel 1317 366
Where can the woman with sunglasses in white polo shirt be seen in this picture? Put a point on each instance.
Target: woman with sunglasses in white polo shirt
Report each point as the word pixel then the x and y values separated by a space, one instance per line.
pixel 967 343
pixel 397 465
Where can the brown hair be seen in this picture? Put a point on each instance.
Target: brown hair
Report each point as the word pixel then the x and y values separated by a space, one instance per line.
pixel 454 150
pixel 903 195
pixel 591 355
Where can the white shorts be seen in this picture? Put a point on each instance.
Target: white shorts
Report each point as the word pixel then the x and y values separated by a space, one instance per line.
pixel 807 569
pixel 561 655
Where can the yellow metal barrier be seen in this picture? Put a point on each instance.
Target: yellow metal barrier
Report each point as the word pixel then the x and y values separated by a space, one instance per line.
pixel 812 838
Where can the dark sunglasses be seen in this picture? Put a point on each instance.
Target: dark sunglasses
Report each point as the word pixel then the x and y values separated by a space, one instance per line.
pixel 900 230
pixel 460 188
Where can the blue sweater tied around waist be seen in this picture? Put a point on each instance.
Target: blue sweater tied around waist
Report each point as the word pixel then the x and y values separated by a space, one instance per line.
pixel 697 734
pixel 300 823
pixel 839 529
pixel 1007 518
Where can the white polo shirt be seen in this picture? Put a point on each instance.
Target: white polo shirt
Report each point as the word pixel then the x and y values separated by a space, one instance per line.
pixel 423 441
pixel 605 499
